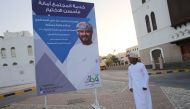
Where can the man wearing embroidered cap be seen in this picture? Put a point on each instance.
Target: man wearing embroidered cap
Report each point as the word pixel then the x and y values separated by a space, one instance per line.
pixel 138 82
pixel 83 58
pixel 84 31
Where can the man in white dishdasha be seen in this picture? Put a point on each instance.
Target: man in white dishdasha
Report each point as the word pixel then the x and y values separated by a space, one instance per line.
pixel 138 82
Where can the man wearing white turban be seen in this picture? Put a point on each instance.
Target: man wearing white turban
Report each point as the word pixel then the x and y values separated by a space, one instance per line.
pixel 138 82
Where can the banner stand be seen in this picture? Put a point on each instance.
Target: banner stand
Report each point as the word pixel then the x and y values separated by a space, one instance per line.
pixel 45 102
pixel 96 102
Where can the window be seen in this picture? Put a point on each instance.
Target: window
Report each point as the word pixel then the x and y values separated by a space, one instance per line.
pixel 156 54
pixel 14 64
pixel 31 62
pixel 3 52
pixel 143 1
pixel 4 65
pixel 30 50
pixel 13 52
pixel 153 18
pixel 147 24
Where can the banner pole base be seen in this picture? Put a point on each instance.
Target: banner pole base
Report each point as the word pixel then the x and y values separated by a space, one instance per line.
pixel 96 103
pixel 45 103
pixel 93 106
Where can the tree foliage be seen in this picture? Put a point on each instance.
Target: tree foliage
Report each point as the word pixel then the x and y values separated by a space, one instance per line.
pixel 115 59
pixel 111 59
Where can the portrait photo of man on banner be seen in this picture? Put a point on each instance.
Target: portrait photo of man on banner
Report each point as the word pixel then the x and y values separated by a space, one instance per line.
pixel 83 59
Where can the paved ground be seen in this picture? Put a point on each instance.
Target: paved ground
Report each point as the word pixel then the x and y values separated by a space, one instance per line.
pixel 169 91
pixel 179 97
pixel 176 87
pixel 117 99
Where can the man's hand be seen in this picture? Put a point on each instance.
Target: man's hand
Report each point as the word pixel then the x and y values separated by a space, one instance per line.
pixel 144 88
pixel 131 89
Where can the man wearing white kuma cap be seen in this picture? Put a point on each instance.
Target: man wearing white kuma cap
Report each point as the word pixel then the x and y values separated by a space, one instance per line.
pixel 133 55
pixel 138 82
pixel 83 58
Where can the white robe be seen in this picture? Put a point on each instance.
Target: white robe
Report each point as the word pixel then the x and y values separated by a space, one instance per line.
pixel 82 62
pixel 138 78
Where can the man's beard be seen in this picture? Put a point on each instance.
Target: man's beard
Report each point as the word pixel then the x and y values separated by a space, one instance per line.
pixel 86 40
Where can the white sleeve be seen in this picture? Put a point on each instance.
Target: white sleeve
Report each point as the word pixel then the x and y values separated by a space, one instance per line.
pixel 129 80
pixel 146 77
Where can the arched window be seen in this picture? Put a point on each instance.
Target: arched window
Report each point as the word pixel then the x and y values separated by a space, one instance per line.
pixel 1 37
pixel 29 50
pixel 153 18
pixel 143 1
pixel 156 54
pixel 4 65
pixel 14 64
pixel 13 52
pixel 31 62
pixel 147 24
pixel 3 52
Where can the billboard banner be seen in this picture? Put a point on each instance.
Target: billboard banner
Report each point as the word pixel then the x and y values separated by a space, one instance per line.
pixel 66 48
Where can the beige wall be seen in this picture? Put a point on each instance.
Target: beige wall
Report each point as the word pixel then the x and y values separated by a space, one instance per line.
pixel 145 56
pixel 170 52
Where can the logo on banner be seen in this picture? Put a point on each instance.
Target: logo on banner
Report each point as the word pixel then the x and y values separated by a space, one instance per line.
pixel 92 79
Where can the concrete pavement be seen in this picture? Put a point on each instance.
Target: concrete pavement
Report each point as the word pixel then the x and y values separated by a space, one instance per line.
pixel 112 95
pixel 81 100
pixel 179 97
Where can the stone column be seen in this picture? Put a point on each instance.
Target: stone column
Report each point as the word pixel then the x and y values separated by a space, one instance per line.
pixel 153 65
pixel 161 62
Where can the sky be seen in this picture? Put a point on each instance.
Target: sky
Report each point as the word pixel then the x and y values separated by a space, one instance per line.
pixel 114 20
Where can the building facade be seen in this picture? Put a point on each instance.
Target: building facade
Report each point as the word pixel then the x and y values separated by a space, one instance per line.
pixel 16 59
pixel 161 33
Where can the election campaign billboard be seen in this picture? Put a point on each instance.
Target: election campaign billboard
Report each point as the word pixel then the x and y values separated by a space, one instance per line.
pixel 66 47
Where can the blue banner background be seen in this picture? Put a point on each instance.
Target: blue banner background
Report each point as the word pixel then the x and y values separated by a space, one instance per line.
pixel 57 32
